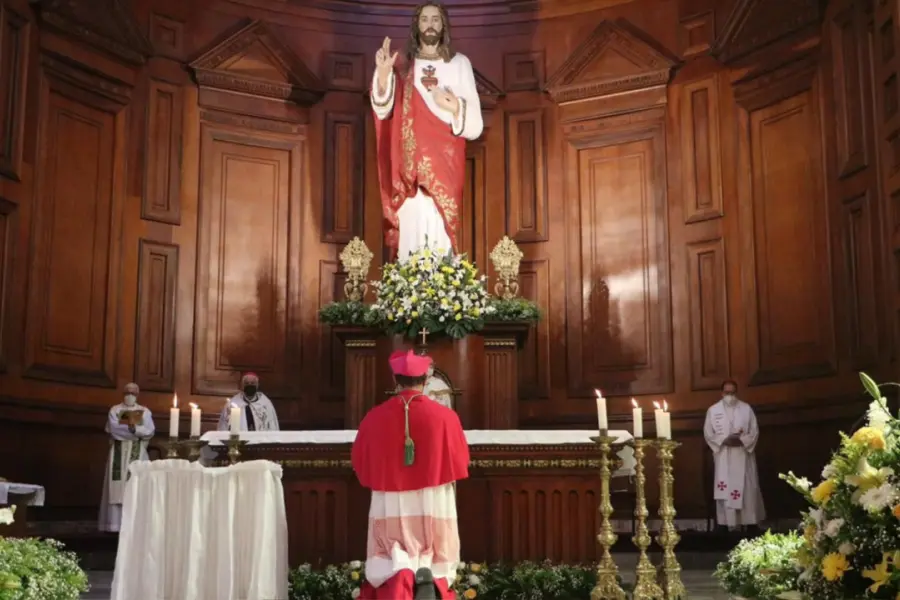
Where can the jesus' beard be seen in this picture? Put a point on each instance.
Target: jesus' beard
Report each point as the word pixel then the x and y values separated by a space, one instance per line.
pixel 429 38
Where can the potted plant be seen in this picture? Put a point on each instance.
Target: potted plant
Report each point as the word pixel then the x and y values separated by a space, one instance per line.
pixel 761 568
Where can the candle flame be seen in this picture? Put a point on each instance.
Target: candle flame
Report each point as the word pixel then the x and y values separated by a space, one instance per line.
pixel 656 404
pixel 194 405
pixel 634 403
pixel 665 406
pixel 175 401
pixel 599 393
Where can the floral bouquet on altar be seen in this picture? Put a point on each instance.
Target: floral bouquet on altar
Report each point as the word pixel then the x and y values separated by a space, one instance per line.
pixel 433 291
pixel 851 533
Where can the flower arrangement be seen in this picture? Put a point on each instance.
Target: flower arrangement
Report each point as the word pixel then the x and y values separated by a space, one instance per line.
pixel 761 568
pixel 33 569
pixel 851 533
pixel 473 580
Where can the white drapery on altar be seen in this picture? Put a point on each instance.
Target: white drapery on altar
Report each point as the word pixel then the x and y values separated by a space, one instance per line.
pixel 195 533
pixel 475 437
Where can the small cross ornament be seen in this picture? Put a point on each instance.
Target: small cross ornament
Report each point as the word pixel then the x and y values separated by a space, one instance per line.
pixel 424 333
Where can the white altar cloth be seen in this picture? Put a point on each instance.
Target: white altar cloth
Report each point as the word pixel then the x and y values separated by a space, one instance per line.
pixel 36 492
pixel 475 437
pixel 196 533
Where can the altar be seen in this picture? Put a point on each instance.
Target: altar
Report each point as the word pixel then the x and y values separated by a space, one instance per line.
pixel 531 495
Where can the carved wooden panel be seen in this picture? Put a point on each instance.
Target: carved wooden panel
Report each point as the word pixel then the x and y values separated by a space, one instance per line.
pixel 526 168
pixel 344 175
pixel 14 50
pixel 8 214
pixel 344 71
pixel 534 358
pixel 701 150
pixel 523 71
pixel 471 219
pixel 247 264
pixel 70 329
pixel 859 258
pixel 162 172
pixel 786 273
pixel 154 340
pixel 317 511
pixel 619 325
pixel 698 32
pixel 848 94
pixel 167 36
pixel 708 310
pixel 331 352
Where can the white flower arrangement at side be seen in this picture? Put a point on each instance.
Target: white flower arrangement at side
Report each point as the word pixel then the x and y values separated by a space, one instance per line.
pixel 432 285
pixel 7 515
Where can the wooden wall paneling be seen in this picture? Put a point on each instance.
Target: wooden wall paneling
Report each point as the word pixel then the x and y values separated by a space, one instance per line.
pixel 167 36
pixel 786 275
pixel 70 328
pixel 523 71
pixel 14 53
pixel 847 74
pixel 246 288
pixel 526 199
pixel 154 350
pixel 8 240
pixel 535 358
pixel 342 214
pixel 701 150
pixel 471 231
pixel 698 32
pixel 619 326
pixel 857 225
pixel 708 302
pixel 162 171
pixel 331 351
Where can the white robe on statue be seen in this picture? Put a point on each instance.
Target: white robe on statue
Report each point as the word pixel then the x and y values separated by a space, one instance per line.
pixel 125 447
pixel 420 220
pixel 736 488
pixel 262 409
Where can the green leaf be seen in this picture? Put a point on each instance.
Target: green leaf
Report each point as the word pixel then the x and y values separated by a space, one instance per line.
pixel 870 385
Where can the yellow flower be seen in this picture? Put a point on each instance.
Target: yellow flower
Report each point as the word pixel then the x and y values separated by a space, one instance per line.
pixel 869 436
pixel 822 492
pixel 457 306
pixel 896 511
pixel 470 593
pixel 415 314
pixel 834 565
pixel 809 533
pixel 476 568
pixel 354 575
pixel 458 316
pixel 879 575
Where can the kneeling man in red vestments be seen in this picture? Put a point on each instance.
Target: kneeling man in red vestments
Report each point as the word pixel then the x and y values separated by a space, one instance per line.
pixel 409 451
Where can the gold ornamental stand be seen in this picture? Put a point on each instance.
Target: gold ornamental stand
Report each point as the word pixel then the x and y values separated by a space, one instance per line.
pixel 234 444
pixel 668 538
pixel 607 587
pixel 645 586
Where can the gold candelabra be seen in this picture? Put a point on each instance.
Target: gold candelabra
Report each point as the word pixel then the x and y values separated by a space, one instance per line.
pixel 645 585
pixel 356 259
pixel 507 259
pixel 234 444
pixel 607 587
pixel 171 446
pixel 195 447
pixel 668 538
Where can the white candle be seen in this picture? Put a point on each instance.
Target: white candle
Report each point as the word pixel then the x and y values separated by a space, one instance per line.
pixel 602 421
pixel 174 416
pixel 667 421
pixel 658 419
pixel 638 415
pixel 195 420
pixel 235 419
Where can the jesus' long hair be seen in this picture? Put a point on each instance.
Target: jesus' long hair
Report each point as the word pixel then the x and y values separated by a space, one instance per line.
pixel 444 49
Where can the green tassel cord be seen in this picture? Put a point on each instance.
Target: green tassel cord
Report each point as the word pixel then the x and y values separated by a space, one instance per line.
pixel 409 450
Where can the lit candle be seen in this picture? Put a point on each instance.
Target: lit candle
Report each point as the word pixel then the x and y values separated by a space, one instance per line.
pixel 174 416
pixel 235 419
pixel 195 420
pixel 667 421
pixel 601 412
pixel 658 419
pixel 638 415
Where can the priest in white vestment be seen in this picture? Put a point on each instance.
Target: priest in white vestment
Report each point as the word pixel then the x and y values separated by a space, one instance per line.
pixel 732 433
pixel 130 427
pixel 257 411
pixel 424 113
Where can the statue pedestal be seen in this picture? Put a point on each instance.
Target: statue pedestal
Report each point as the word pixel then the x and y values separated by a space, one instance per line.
pixel 482 369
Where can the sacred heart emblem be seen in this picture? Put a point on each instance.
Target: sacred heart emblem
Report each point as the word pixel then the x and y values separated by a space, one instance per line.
pixel 429 81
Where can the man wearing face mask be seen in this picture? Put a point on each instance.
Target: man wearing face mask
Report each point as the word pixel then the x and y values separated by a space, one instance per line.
pixel 731 433
pixel 257 411
pixel 130 427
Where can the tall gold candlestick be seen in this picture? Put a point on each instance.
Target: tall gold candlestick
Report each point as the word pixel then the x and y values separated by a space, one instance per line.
pixel 607 587
pixel 234 443
pixel 645 586
pixel 171 446
pixel 668 538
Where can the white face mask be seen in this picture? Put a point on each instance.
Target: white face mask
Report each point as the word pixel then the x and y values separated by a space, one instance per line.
pixel 729 398
pixel 130 399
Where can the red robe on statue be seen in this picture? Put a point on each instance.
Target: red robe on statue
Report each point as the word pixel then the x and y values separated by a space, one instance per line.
pixel 415 149
pixel 398 542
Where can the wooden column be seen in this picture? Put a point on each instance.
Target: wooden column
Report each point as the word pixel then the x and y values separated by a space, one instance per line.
pixel 360 372
pixel 500 384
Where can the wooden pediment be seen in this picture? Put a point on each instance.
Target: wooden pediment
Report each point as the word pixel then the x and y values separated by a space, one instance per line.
pixel 614 59
pixel 754 24
pixel 254 61
pixel 107 25
pixel 488 92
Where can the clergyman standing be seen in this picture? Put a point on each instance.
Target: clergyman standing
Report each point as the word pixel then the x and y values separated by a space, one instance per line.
pixel 257 411
pixel 130 427
pixel 732 433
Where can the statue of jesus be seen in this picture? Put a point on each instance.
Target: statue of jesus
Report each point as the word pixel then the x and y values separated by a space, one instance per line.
pixel 424 113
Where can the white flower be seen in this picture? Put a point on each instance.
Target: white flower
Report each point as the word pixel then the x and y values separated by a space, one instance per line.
pixel 846 548
pixel 878 414
pixel 461 566
pixel 355 564
pixel 878 498
pixel 829 471
pixel 474 579
pixel 355 593
pixel 6 515
pixel 833 527
pixel 817 516
pixel 804 483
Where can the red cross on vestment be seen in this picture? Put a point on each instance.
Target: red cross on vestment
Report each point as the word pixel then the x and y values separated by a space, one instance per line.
pixel 722 485
pixel 735 494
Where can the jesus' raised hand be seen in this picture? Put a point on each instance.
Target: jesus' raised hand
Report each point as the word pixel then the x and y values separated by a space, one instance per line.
pixel 384 60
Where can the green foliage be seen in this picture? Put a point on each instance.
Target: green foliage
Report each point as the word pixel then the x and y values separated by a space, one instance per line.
pixel 515 309
pixel 33 569
pixel 353 314
pixel 761 568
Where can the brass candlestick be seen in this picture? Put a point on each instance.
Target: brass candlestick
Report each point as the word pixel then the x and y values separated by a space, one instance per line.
pixel 195 447
pixel 171 447
pixel 668 538
pixel 607 587
pixel 234 443
pixel 645 586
